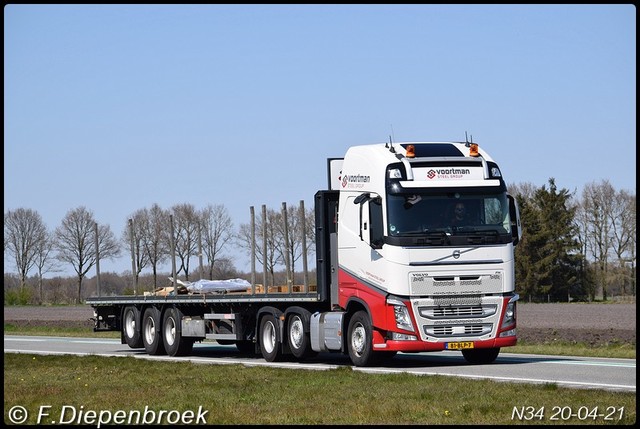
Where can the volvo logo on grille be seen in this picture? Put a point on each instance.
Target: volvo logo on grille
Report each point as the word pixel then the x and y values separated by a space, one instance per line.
pixel 456 254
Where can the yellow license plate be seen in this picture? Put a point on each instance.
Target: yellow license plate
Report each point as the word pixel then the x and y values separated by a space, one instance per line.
pixel 459 345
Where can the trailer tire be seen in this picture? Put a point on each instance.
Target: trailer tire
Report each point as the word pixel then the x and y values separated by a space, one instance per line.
pixel 270 339
pixel 360 339
pixel 131 327
pixel 174 343
pixel 151 331
pixel 481 356
pixel 298 337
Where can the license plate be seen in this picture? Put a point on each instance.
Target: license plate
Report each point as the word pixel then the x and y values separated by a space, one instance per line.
pixel 459 345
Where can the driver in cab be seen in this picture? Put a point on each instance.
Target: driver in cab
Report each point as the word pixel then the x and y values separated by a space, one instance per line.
pixel 459 216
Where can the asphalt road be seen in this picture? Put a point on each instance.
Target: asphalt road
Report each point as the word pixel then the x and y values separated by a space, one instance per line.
pixel 573 372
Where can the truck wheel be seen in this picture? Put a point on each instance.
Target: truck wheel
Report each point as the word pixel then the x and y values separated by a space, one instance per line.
pixel 131 327
pixel 299 341
pixel 174 342
pixel 151 338
pixel 360 339
pixel 480 356
pixel 269 341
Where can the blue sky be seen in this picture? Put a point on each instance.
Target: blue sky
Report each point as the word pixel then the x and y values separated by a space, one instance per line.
pixel 119 107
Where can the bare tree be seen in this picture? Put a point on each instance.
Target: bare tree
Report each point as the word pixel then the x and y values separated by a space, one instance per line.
pixel 155 239
pixel 24 232
pixel 623 231
pixel 186 231
pixel 583 226
pixel 295 225
pixel 44 262
pixel 525 190
pixel 138 222
pixel 596 203
pixel 224 269
pixel 75 243
pixel 217 231
pixel 265 229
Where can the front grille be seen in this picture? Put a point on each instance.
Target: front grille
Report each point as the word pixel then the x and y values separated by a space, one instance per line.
pixel 467 318
pixel 457 330
pixel 442 313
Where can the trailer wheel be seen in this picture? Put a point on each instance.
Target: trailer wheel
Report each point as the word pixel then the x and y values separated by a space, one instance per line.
pixel 151 337
pixel 174 342
pixel 360 339
pixel 269 341
pixel 299 341
pixel 131 327
pixel 481 356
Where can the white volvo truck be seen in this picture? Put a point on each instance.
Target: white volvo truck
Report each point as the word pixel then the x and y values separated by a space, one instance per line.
pixel 414 253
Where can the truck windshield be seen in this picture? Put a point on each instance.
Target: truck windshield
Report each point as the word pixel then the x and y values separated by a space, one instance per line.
pixel 428 214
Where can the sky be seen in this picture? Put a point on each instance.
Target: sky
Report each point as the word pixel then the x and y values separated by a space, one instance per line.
pixel 119 107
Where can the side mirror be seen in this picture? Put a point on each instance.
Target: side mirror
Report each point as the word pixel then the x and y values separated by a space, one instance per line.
pixel 514 214
pixel 362 198
pixel 371 226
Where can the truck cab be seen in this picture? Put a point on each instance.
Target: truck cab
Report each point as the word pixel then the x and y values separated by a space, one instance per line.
pixel 425 242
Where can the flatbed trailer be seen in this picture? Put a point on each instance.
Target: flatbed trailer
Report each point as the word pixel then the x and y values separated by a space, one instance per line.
pixel 258 320
pixel 171 324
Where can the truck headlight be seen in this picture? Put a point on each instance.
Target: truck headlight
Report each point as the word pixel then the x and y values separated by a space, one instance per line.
pixel 509 314
pixel 401 313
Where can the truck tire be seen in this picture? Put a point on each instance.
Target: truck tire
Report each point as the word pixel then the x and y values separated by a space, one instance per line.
pixel 360 339
pixel 269 339
pixel 174 343
pixel 298 339
pixel 151 328
pixel 131 327
pixel 480 356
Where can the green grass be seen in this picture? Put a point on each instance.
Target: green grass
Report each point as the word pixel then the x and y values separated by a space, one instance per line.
pixel 233 394
pixel 561 348
pixel 614 350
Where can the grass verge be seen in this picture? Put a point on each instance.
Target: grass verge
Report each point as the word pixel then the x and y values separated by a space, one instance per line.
pixel 79 389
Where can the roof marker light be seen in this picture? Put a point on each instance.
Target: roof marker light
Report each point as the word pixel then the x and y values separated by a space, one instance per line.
pixel 473 149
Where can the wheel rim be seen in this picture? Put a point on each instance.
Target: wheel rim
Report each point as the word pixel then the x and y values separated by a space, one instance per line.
pixel 170 331
pixel 130 325
pixel 296 333
pixel 150 331
pixel 358 339
pixel 269 337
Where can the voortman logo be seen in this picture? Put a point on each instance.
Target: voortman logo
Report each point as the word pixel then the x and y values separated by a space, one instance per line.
pixel 354 180
pixel 448 173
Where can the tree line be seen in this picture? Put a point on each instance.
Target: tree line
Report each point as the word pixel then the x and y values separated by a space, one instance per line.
pixel 152 237
pixel 573 247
